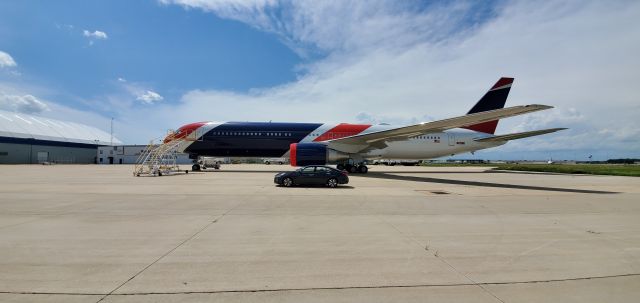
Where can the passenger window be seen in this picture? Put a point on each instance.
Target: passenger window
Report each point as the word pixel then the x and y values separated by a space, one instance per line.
pixel 308 170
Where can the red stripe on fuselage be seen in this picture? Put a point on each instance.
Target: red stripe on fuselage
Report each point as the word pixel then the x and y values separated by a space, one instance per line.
pixel 293 149
pixel 342 130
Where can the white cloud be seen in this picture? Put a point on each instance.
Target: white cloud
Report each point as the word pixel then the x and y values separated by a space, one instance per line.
pixel 23 104
pixel 149 97
pixel 140 91
pixel 339 26
pixel 98 35
pixel 6 60
pixel 95 35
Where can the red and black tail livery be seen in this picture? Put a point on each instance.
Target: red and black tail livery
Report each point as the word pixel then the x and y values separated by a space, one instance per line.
pixel 495 98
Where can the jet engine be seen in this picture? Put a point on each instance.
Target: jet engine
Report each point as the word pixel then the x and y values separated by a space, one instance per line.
pixel 302 154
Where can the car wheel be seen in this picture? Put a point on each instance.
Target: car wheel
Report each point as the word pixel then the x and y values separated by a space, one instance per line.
pixel 267 163
pixel 280 163
pixel 287 182
pixel 333 182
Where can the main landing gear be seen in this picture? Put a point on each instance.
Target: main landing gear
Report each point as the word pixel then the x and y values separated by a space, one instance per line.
pixel 353 169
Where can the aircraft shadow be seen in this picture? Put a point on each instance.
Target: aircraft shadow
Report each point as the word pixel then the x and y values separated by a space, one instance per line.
pixel 318 186
pixel 432 172
pixel 209 170
pixel 386 175
pixel 387 172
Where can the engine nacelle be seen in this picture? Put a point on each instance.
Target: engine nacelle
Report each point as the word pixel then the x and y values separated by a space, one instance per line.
pixel 303 154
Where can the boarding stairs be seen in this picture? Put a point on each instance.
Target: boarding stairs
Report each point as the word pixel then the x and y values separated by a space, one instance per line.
pixel 159 159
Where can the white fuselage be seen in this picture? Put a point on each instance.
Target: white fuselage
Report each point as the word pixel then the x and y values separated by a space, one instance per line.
pixel 426 146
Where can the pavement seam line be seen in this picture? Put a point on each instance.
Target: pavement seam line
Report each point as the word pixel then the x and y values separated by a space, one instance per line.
pixel 164 255
pixel 410 238
pixel 328 288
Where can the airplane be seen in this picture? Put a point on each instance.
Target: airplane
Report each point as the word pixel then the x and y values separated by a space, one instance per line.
pixel 350 146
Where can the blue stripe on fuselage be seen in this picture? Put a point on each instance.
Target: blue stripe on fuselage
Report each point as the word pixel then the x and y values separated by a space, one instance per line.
pixel 251 139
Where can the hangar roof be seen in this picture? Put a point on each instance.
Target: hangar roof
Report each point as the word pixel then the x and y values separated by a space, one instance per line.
pixel 18 125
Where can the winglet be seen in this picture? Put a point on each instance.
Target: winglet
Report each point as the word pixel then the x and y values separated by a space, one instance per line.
pixel 495 98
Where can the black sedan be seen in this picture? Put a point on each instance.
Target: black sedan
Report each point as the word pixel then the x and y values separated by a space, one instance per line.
pixel 312 175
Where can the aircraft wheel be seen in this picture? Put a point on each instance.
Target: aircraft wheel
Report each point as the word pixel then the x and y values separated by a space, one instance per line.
pixel 333 182
pixel 287 182
pixel 363 169
pixel 195 167
pixel 352 169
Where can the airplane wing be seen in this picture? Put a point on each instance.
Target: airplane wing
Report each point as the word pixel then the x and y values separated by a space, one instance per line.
pixel 515 136
pixel 357 143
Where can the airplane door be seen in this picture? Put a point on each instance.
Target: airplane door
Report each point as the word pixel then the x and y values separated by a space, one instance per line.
pixel 452 140
pixel 198 135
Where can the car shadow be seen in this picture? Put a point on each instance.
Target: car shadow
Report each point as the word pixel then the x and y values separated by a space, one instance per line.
pixel 386 175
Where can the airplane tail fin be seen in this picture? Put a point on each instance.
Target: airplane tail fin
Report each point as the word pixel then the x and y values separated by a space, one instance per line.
pixel 495 98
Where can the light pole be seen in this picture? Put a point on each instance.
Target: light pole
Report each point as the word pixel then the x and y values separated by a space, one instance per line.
pixel 111 142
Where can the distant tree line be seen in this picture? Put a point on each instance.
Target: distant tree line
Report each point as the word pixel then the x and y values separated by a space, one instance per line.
pixel 623 161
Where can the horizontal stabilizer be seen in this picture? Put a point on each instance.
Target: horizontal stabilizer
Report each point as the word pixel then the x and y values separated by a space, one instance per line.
pixel 515 136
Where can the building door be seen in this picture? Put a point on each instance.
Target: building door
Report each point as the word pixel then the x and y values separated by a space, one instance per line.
pixel 110 160
pixel 43 157
pixel 120 160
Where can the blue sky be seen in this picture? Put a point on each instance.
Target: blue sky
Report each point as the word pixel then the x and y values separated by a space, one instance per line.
pixel 154 65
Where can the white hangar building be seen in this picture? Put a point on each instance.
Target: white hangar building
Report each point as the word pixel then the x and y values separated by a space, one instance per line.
pixel 27 139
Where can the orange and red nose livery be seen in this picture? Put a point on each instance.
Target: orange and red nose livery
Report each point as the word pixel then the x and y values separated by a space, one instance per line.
pixel 184 131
